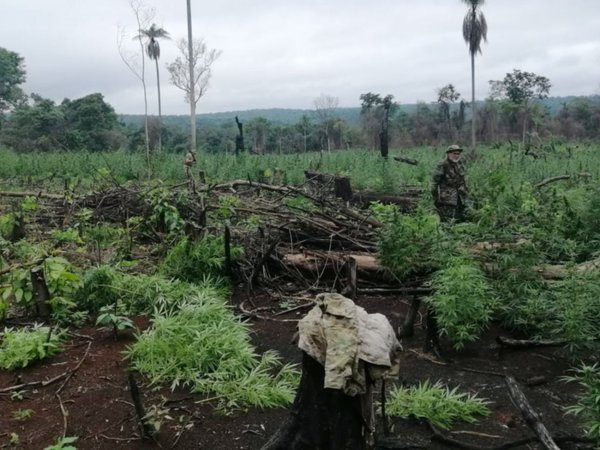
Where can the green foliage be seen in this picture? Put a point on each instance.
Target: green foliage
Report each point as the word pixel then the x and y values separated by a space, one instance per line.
pixel 571 310
pixel 192 260
pixel 410 244
pixel 20 348
pixel 22 414
pixel 462 300
pixel 205 346
pixel 64 443
pixel 165 214
pixel 98 289
pixel 12 74
pixel 110 319
pixel 18 394
pixel 14 438
pixel 437 403
pixel 588 406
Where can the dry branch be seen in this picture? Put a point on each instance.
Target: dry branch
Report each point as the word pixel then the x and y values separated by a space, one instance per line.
pixel 533 419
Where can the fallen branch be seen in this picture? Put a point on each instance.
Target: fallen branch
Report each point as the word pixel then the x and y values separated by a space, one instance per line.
pixel 529 343
pixel 532 418
pixel 561 177
pixel 31 194
pixel 402 159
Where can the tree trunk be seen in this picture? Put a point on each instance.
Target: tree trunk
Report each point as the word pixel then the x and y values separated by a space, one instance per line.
pixel 41 295
pixel 473 111
pixel 192 84
pixel 159 144
pixel 323 419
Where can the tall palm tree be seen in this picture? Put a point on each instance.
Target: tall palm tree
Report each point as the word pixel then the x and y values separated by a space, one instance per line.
pixel 474 30
pixel 153 34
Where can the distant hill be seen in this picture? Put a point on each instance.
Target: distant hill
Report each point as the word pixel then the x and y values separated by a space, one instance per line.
pixel 285 116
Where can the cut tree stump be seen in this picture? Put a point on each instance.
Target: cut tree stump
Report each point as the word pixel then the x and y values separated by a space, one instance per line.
pixel 324 419
pixel 41 294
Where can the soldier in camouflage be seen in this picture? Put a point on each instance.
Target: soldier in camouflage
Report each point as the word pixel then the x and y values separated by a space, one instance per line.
pixel 448 187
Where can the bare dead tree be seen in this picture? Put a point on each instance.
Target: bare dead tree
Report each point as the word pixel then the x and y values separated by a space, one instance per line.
pixel 201 60
pixel 136 62
pixel 325 107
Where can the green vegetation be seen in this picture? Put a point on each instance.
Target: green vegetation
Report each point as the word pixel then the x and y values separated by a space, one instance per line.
pixel 437 403
pixel 22 414
pixel 462 299
pixel 204 346
pixel 21 348
pixel 64 443
pixel 588 407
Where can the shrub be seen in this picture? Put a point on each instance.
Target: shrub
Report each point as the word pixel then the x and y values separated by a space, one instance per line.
pixel 409 244
pixel 192 260
pixel 588 406
pixel 462 300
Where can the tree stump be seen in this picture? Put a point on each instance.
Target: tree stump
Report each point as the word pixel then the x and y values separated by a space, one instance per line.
pixel 324 419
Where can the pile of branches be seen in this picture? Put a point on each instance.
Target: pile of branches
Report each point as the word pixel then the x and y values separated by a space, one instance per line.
pixel 324 241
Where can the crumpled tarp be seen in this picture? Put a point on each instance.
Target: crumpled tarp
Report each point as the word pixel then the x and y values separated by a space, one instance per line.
pixel 349 343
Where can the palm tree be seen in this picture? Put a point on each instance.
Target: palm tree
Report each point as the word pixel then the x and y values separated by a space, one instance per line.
pixel 152 34
pixel 474 30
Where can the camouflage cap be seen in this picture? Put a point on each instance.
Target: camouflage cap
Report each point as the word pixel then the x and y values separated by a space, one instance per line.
pixel 454 148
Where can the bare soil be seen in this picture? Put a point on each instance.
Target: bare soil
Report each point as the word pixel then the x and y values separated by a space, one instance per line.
pixel 97 406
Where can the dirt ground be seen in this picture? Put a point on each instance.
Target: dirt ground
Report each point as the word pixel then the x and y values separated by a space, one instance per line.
pixel 97 406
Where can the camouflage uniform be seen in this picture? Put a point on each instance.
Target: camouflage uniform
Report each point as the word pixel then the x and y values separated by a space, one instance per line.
pixel 449 190
pixel 189 161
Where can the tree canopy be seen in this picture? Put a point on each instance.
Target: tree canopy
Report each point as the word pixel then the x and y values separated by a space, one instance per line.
pixel 12 76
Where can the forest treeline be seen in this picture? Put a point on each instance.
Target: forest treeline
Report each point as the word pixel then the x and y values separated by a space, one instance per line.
pixel 90 123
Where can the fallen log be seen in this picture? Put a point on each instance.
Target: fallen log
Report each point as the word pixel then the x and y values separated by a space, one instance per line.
pixel 529 343
pixel 403 159
pixel 313 261
pixel 31 194
pixel 532 418
pixel 405 203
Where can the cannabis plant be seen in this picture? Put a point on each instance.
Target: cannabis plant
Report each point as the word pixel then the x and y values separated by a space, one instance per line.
pixel 462 300
pixel 437 403
pixel 20 348
pixel 588 406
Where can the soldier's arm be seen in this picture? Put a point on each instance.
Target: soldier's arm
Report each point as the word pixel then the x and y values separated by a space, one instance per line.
pixel 438 175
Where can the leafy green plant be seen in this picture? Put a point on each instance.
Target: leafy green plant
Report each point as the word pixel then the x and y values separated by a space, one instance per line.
pixel 110 319
pixel 411 244
pixel 462 300
pixel 14 438
pixel 437 403
pixel 64 443
pixel 22 414
pixel 192 260
pixel 18 394
pixel 20 348
pixel 165 214
pixel 205 346
pixel 588 406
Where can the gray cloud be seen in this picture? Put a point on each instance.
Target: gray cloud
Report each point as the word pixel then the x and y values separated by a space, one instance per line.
pixel 285 54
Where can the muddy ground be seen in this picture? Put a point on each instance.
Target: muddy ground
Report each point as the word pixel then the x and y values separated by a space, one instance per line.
pixel 97 403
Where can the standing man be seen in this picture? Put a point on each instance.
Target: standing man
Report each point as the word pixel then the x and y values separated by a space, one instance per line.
pixel 188 163
pixel 448 187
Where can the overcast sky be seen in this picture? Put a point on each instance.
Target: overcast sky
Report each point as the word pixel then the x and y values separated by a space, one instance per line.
pixel 285 53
